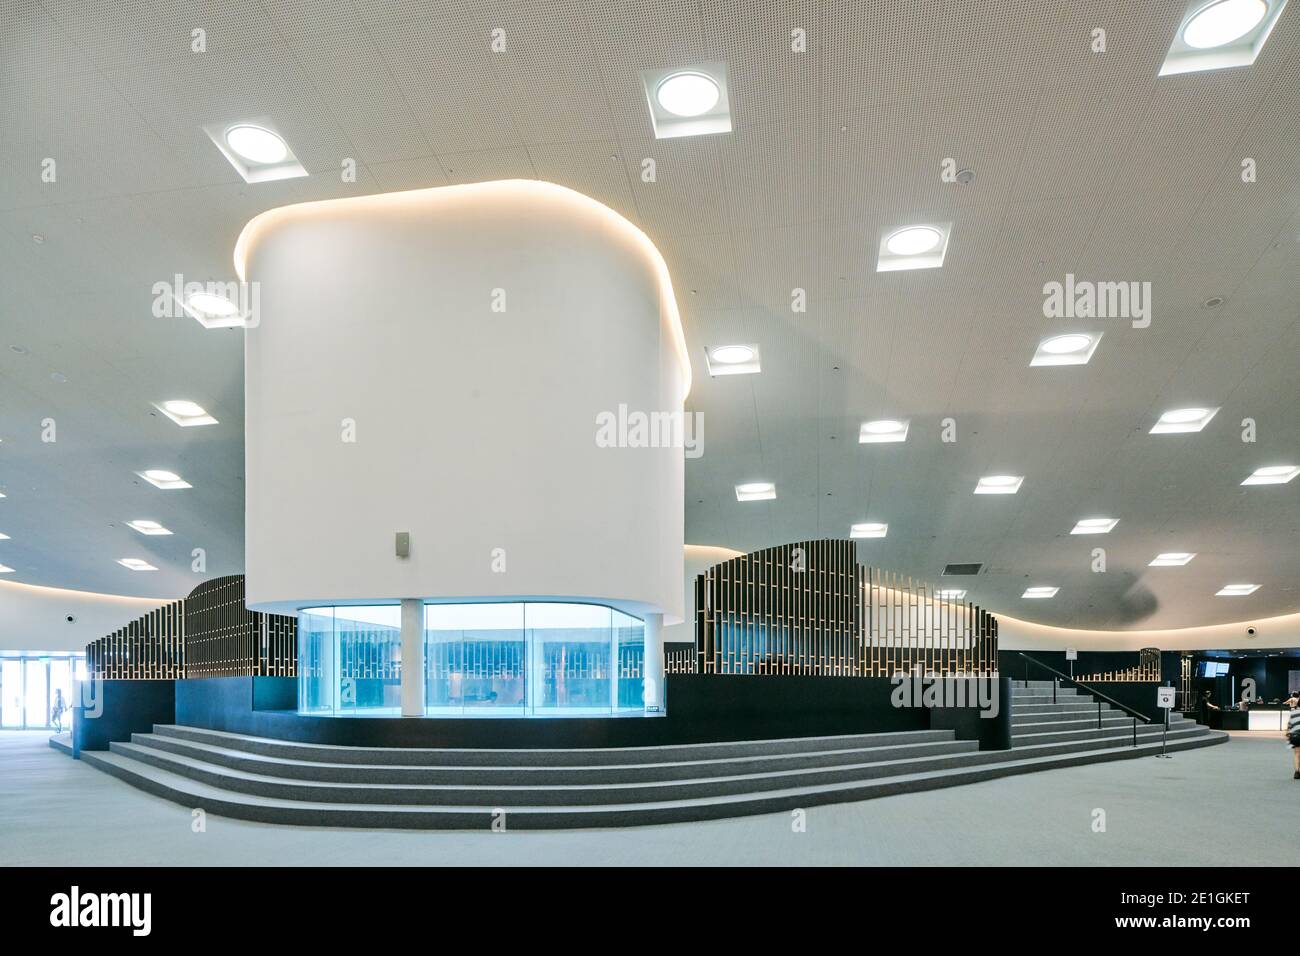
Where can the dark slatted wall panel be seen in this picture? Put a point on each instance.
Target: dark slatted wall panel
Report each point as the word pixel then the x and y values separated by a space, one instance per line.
pixel 209 634
pixel 810 608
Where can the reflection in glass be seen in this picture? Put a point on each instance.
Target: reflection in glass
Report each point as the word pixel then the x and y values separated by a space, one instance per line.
pixel 350 660
pixel 474 658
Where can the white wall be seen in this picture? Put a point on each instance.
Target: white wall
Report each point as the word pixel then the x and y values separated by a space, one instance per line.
pixel 475 429
pixel 1017 635
pixel 698 559
pixel 36 619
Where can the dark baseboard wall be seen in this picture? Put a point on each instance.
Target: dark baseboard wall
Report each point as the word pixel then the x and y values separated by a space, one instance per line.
pixel 701 709
pixel 116 709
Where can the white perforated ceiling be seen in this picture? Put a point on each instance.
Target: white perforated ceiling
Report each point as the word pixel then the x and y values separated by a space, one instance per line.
pixel 1085 163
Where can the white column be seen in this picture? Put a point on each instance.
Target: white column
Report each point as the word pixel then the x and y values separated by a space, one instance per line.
pixel 654 662
pixel 412 657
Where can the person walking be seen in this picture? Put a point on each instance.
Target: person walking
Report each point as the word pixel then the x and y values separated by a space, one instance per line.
pixel 1293 732
pixel 59 709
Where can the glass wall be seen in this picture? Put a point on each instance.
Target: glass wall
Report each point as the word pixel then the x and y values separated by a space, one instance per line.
pixel 532 659
pixel 485 660
pixel 350 660
pixel 31 688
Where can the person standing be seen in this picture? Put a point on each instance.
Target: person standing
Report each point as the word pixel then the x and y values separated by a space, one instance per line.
pixel 59 709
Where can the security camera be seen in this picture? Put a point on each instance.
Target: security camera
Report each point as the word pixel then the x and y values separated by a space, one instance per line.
pixel 1250 632
pixel 72 619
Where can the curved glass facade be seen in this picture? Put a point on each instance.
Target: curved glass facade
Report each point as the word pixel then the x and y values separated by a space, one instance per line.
pixel 518 659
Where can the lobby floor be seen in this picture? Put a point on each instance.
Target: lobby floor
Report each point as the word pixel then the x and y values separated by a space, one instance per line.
pixel 1234 803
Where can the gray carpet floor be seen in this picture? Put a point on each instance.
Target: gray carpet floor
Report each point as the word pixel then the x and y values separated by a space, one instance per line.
pixel 1231 804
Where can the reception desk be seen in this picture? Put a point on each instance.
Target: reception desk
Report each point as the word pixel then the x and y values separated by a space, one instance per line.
pixel 1260 717
pixel 1267 717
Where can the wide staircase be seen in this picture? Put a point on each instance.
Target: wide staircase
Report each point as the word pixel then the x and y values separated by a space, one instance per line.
pixel 277 781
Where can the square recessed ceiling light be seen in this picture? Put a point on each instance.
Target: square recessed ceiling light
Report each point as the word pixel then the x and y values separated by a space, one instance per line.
pixel 147 526
pixel 999 484
pixel 733 360
pixel 883 430
pixel 1236 590
pixel 950 594
pixel 256 150
pixel 688 100
pixel 1272 475
pixel 1220 34
pixel 136 564
pixel 221 305
pixel 185 413
pixel 1180 421
pixel 1040 592
pixel 166 480
pixel 919 246
pixel 1072 348
pixel 4 537
pixel 1094 525
pixel 5 569
pixel 1172 559
pixel 869 529
pixel 756 491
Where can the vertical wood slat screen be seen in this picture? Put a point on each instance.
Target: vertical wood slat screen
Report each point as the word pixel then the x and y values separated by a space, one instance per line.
pixel 810 608
pixel 208 634
pixel 1146 669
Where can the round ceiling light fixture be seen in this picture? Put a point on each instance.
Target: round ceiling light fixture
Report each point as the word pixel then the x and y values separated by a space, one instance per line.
pixel 732 354
pixel 688 94
pixel 1064 344
pixel 913 240
pixel 157 474
pixel 257 145
pixel 211 304
pixel 1223 21
pixel 885 426
pixel 183 408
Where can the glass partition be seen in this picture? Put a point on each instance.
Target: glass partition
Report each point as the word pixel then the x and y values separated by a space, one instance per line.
pixel 516 659
pixel 532 659
pixel 36 691
pixel 350 660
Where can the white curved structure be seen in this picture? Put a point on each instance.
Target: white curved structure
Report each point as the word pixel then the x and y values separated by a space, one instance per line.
pixel 435 362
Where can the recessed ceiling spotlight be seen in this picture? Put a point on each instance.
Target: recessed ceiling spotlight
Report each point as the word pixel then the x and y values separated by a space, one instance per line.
pixel 920 246
pixel 258 153
pixel 687 93
pixel 1221 33
pixel 950 594
pixel 883 430
pixel 147 526
pixel 756 491
pixel 1073 348
pixel 257 145
pixel 136 564
pixel 688 101
pixel 38 238
pixel 733 360
pixel 1236 590
pixel 161 478
pixel 1180 421
pixel 1221 22
pixel 1040 592
pixel 1172 559
pixel 965 176
pixel 18 349
pixel 913 240
pixel 1094 526
pixel 999 484
pixel 3 536
pixel 869 529
pixel 5 569
pixel 1272 475
pixel 1213 302
pixel 185 413
pixel 213 311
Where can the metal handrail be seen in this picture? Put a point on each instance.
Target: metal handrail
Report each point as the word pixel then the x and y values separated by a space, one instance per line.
pixel 1088 687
